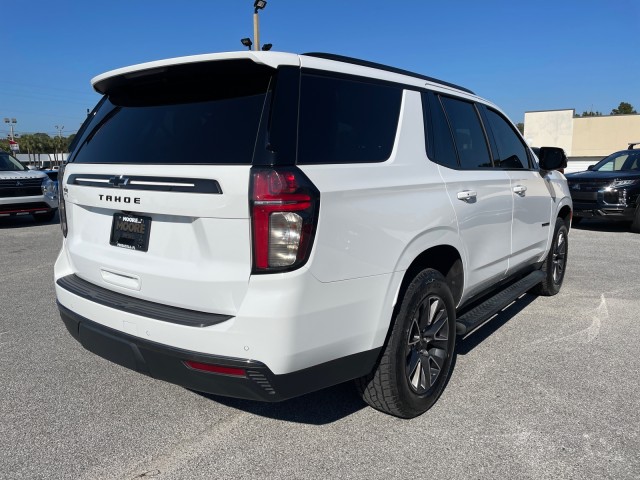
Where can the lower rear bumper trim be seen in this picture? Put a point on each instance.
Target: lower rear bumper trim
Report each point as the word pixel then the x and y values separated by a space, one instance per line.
pixel 166 363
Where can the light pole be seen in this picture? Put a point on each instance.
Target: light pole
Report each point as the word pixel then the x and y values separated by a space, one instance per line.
pixel 59 129
pixel 11 122
pixel 257 5
pixel 13 145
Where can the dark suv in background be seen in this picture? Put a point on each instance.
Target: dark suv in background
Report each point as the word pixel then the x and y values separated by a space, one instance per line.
pixel 609 189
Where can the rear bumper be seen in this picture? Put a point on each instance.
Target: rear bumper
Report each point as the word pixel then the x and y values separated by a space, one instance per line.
pixel 166 363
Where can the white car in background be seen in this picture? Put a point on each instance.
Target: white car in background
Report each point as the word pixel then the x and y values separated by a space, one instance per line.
pixel 26 192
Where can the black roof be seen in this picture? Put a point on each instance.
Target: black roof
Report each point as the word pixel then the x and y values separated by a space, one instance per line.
pixel 380 66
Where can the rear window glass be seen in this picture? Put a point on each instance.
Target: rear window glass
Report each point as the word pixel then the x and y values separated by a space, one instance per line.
pixel 188 114
pixel 440 142
pixel 346 121
pixel 468 134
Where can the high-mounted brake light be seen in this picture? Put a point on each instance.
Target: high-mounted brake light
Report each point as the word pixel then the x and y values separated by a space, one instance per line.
pixel 284 209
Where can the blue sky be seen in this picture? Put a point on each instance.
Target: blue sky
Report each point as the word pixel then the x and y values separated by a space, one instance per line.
pixel 523 56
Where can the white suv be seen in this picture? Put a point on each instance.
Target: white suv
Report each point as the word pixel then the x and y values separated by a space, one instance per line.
pixel 26 192
pixel 262 225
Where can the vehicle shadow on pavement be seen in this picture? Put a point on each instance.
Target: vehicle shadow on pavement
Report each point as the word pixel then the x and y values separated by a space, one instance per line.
pixel 318 408
pixel 594 225
pixel 25 221
pixel 478 336
pixel 334 403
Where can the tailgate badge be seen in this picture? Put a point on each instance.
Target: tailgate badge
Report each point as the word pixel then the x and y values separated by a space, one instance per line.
pixel 120 181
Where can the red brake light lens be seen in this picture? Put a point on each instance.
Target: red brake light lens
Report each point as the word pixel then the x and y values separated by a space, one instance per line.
pixel 284 209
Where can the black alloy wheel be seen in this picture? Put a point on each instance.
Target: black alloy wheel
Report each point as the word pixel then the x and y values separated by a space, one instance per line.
pixel 555 265
pixel 427 344
pixel 418 355
pixel 559 258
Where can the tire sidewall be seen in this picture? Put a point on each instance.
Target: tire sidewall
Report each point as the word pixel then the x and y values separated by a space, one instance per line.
pixel 561 228
pixel 427 283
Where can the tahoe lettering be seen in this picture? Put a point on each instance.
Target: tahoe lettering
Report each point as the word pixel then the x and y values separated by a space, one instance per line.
pixel 118 198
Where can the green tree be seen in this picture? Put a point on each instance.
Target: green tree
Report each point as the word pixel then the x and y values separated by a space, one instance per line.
pixel 590 113
pixel 58 146
pixel 44 143
pixel 28 146
pixel 70 139
pixel 623 109
pixel 520 127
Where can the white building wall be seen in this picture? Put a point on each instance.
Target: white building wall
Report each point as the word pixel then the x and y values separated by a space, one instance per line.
pixel 550 129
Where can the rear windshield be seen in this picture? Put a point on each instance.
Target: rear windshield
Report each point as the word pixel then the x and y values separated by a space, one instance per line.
pixel 192 114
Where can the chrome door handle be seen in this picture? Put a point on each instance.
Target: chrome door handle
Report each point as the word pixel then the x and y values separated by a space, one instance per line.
pixel 520 190
pixel 467 195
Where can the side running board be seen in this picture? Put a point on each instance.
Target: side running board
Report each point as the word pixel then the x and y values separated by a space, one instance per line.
pixel 483 312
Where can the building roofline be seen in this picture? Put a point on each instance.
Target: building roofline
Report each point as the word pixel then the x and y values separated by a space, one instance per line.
pixel 553 110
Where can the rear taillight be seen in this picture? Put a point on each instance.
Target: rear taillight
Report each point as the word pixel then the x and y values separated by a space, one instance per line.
pixel 62 209
pixel 284 210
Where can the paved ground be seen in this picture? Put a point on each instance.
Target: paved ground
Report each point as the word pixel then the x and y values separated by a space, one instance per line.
pixel 550 390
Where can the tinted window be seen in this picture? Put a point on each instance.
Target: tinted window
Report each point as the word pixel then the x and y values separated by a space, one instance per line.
pixel 439 141
pixel 9 163
pixel 619 161
pixel 344 121
pixel 184 116
pixel 511 151
pixel 468 134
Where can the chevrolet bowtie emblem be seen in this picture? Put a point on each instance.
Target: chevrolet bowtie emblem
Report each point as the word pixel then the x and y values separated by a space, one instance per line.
pixel 120 181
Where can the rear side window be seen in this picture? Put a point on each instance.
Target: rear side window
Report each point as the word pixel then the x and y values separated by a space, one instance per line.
pixel 189 114
pixel 440 145
pixel 512 154
pixel 468 133
pixel 346 121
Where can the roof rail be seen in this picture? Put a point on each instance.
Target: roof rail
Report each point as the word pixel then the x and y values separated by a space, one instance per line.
pixel 380 66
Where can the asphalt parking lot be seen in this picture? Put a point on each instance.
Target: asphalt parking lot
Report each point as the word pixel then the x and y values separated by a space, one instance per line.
pixel 549 389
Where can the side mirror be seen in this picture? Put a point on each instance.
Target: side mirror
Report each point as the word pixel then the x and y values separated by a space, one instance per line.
pixel 552 158
pixel 590 167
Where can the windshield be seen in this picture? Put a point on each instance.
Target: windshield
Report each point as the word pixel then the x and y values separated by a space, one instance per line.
pixel 10 163
pixel 619 162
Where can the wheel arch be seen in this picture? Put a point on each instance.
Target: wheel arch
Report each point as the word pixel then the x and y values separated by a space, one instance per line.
pixel 439 249
pixel 444 258
pixel 565 213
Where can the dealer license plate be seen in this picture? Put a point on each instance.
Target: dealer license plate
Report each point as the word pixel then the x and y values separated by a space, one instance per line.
pixel 130 231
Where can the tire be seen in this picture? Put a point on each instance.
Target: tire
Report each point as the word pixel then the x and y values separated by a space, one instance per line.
pixel 44 217
pixel 554 265
pixel 416 361
pixel 635 225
